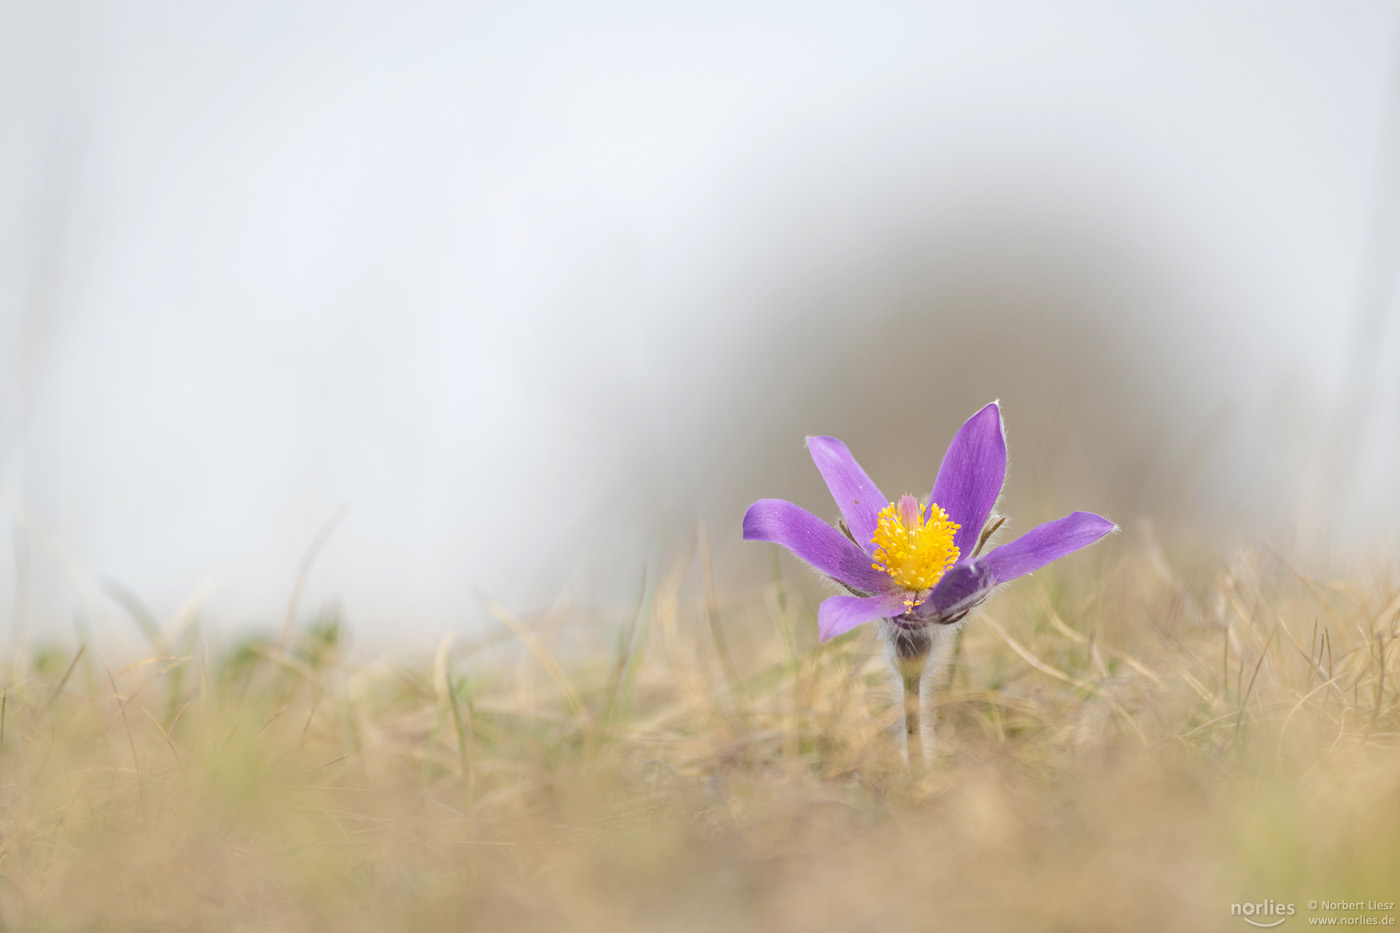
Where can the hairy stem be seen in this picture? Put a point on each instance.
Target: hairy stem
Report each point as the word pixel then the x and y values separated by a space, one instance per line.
pixel 910 649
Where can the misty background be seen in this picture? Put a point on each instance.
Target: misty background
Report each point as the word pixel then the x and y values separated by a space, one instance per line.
pixel 534 288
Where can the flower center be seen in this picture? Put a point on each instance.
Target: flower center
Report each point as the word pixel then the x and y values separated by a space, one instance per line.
pixel 913 546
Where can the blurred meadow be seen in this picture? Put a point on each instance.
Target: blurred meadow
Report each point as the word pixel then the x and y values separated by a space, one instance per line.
pixel 1131 740
pixel 382 387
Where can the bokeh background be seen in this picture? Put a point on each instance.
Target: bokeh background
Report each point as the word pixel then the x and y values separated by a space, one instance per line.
pixel 535 289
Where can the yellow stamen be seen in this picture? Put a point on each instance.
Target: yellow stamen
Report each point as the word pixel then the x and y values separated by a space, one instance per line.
pixel 914 547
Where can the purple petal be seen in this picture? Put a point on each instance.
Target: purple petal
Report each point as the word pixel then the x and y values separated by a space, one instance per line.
pixel 859 499
pixel 816 542
pixel 840 614
pixel 964 585
pixel 1045 543
pixel 972 474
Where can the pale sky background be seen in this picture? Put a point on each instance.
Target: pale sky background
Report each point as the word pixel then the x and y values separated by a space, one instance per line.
pixel 522 283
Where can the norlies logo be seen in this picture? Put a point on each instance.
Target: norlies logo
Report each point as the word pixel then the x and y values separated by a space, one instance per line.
pixel 1266 914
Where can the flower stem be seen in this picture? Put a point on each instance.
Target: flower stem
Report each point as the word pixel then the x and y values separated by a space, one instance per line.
pixel 910 649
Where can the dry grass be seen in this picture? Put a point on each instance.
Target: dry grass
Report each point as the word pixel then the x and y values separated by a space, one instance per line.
pixel 1124 745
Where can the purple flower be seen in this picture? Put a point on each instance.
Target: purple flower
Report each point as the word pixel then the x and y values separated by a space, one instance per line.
pixel 913 563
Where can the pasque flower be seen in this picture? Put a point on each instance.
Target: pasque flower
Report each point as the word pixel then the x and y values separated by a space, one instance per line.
pixel 915 563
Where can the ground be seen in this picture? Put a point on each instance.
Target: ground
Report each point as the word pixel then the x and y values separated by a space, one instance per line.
pixel 1130 739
